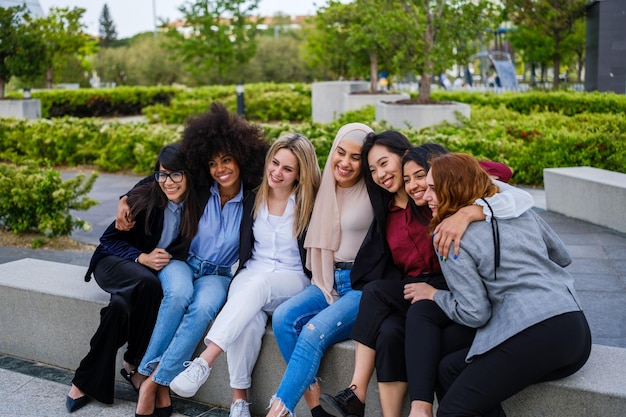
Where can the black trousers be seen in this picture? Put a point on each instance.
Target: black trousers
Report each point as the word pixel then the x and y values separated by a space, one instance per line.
pixel 430 335
pixel 380 323
pixel 552 349
pixel 130 316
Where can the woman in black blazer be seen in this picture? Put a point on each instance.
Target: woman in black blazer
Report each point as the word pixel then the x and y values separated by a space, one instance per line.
pixel 125 264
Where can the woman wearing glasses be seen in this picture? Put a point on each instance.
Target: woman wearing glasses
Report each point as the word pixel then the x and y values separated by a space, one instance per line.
pixel 225 155
pixel 125 265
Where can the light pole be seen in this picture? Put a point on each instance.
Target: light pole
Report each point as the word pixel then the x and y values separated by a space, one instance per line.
pixel 154 17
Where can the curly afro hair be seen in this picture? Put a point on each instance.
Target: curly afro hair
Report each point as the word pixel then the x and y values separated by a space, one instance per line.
pixel 218 131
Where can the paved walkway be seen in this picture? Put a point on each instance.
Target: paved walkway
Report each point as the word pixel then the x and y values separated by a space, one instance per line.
pixel 32 389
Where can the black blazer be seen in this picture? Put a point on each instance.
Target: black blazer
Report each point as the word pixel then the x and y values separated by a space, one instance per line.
pixel 374 260
pixel 130 244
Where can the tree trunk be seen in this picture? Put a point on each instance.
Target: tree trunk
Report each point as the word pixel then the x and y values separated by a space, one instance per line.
pixel 581 63
pixel 373 72
pixel 49 77
pixel 423 95
pixel 557 71
pixel 2 88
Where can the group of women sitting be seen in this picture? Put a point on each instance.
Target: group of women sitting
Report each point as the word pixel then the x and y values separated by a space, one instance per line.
pixel 443 276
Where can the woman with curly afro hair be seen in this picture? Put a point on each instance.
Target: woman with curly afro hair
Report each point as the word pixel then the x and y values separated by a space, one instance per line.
pixel 225 155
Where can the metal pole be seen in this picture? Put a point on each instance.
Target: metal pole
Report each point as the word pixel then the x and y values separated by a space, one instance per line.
pixel 240 99
pixel 154 17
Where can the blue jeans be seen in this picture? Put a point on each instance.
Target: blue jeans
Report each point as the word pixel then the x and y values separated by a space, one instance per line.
pixel 193 293
pixel 305 326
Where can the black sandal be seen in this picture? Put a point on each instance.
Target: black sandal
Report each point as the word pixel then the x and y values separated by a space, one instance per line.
pixel 128 375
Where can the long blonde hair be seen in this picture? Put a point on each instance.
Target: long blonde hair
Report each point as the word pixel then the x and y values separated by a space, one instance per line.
pixel 305 188
pixel 458 181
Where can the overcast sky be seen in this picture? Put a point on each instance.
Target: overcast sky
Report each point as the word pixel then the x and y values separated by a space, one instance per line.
pixel 134 16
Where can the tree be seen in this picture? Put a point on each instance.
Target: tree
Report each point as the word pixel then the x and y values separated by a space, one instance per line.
pixel 64 36
pixel 325 46
pixel 553 19
pixel 144 61
pixel 107 31
pixel 442 26
pixel 366 28
pixel 218 36
pixel 20 49
pixel 268 65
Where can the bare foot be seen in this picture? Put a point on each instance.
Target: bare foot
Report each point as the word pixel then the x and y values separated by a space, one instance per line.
pixel 147 398
pixel 163 398
pixel 75 392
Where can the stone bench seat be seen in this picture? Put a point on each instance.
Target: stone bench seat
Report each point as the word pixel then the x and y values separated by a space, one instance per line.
pixel 48 314
pixel 591 194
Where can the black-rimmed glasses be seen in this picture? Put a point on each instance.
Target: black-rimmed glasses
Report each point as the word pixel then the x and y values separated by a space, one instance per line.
pixel 175 176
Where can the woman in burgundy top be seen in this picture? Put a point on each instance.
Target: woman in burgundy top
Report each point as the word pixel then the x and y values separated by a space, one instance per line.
pixel 380 326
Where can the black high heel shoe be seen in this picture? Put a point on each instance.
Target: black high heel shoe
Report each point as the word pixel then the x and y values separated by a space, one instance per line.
pixel 164 411
pixel 74 404
pixel 128 376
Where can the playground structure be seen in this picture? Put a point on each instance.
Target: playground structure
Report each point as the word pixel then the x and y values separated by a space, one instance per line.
pixel 502 66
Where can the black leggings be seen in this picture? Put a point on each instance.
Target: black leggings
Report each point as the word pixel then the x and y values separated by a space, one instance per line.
pixel 552 349
pixel 380 323
pixel 430 335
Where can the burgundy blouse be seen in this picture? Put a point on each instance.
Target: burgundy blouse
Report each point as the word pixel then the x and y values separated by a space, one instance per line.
pixel 410 242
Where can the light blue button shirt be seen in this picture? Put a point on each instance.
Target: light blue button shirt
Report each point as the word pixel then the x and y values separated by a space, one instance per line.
pixel 171 224
pixel 217 240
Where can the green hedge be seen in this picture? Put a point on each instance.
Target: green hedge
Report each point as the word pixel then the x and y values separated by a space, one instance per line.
pixel 527 143
pixel 566 103
pixel 101 102
pixel 108 145
pixel 263 102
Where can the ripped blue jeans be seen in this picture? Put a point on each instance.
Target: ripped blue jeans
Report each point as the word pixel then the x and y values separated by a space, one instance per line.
pixel 305 326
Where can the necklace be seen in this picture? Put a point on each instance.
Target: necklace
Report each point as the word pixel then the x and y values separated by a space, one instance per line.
pixel 226 197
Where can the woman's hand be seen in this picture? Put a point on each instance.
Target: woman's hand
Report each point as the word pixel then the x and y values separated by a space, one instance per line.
pixel 123 220
pixel 419 291
pixel 451 229
pixel 157 259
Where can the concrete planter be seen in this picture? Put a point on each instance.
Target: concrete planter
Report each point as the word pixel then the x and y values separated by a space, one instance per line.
pixel 28 108
pixel 419 116
pixel 330 99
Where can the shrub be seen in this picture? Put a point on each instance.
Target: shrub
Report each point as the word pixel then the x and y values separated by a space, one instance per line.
pixel 35 199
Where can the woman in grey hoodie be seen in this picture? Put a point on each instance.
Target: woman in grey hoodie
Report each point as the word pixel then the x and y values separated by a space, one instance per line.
pixel 509 283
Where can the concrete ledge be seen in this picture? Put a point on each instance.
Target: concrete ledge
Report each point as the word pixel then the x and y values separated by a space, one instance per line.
pixel 419 116
pixel 48 314
pixel 330 99
pixel 591 194
pixel 21 108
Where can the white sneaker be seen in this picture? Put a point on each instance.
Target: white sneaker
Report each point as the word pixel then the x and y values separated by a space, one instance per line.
pixel 240 408
pixel 189 381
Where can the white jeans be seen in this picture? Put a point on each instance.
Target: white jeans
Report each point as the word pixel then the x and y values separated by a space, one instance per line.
pixel 238 329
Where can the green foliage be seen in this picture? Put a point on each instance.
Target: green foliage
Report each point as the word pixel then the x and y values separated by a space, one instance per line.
pixel 106 29
pixel 548 25
pixel 35 199
pixel 263 102
pixel 144 60
pixel 528 131
pixel 220 37
pixel 102 102
pixel 110 146
pixel 20 48
pixel 64 36
pixel 567 103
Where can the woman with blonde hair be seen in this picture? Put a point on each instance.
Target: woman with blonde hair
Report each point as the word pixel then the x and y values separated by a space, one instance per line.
pixel 509 283
pixel 271 270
